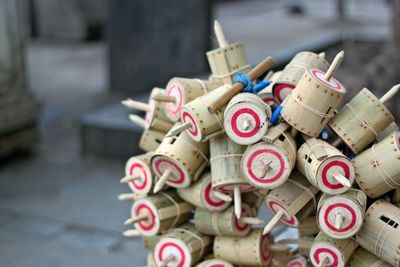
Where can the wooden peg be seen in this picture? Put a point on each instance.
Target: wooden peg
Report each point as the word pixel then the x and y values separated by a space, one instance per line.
pixel 179 129
pixel 323 262
pixel 278 247
pixel 246 124
pixel 162 181
pixel 255 73
pixel 164 98
pixel 131 233
pixel 139 121
pixel 322 54
pixel 136 105
pixel 341 179
pixel 223 196
pixel 167 260
pixel 389 94
pixel 334 66
pixel 219 33
pixel 271 224
pixel 339 221
pixel 237 198
pixel 251 220
pixel 137 219
pixel 127 196
pixel 127 179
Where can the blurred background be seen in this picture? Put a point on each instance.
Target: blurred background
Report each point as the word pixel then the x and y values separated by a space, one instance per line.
pixel 66 65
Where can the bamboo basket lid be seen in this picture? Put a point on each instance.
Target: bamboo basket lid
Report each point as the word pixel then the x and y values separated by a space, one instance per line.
pixel 266 94
pixel 246 118
pixel 150 140
pixel 364 258
pixel 139 166
pixel 341 216
pixel 298 261
pixel 156 117
pixel 184 91
pixel 214 263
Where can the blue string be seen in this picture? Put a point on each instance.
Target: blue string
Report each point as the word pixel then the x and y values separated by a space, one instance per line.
pixel 248 84
pixel 324 134
pixel 275 115
pixel 260 85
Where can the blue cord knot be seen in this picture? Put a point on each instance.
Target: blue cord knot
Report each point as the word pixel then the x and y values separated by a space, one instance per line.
pixel 248 84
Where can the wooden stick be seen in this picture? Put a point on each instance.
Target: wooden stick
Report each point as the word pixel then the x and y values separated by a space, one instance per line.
pixel 322 55
pixel 278 247
pixel 164 98
pixel 137 219
pixel 127 179
pixel 223 196
pixel 167 260
pixel 237 202
pixel 324 262
pixel 251 220
pixel 246 124
pixel 271 224
pixel 339 221
pixel 334 66
pixel 127 196
pixel 237 87
pixel 132 233
pixel 341 179
pixel 136 105
pixel 162 181
pixel 139 121
pixel 219 33
pixel 389 94
pixel 179 129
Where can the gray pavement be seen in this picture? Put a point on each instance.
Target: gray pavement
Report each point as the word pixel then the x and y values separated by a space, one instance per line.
pixel 59 208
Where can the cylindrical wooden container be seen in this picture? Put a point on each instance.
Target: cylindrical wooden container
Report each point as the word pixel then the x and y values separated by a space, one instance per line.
pixel 251 250
pixel 150 140
pixel 308 227
pixel 338 251
pixel 266 94
pixel 156 118
pixel 185 244
pixel 393 127
pixel 314 98
pixel 184 91
pixel 149 242
pixel 363 258
pixel 204 124
pixel 378 168
pixel 291 198
pixel 246 118
pixel 185 158
pixel 225 62
pixel 360 120
pixel 225 158
pixel 201 194
pixel 164 211
pixel 319 162
pixel 139 166
pixel 298 261
pixel 214 263
pixel 380 233
pixel 150 260
pixel 223 223
pixel 293 71
pixel 341 216
pixel 268 164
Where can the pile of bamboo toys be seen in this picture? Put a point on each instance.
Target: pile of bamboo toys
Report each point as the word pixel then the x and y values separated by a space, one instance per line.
pixel 218 149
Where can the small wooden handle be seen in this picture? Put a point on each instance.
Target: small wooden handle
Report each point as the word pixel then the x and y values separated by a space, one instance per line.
pixel 261 68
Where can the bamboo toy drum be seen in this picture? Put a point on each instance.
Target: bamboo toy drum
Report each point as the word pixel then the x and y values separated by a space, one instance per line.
pixel 378 168
pixel 341 216
pixel 293 71
pixel 308 227
pixel 337 251
pixel 266 93
pixel 201 194
pixel 139 167
pixel 185 91
pixel 149 242
pixel 291 198
pixel 393 127
pixel 360 120
pixel 246 118
pixel 225 62
pixel 183 246
pixel 214 263
pixel 203 123
pixel 269 164
pixel 363 258
pixel 251 250
pixel 160 212
pixel 298 261
pixel 380 233
pixel 222 223
pixel 323 165
pixel 181 158
pixel 156 118
pixel 314 98
pixel 150 140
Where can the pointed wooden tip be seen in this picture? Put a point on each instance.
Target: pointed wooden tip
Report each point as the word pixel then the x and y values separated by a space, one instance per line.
pixel 133 104
pixel 279 247
pixel 223 196
pixel 177 130
pixel 137 219
pixel 341 179
pixel 126 196
pixel 273 222
pixel 127 179
pixel 322 55
pixel 334 66
pixel 391 93
pixel 131 233
pixel 162 181
pixel 237 198
pixel 251 220
pixel 164 98
pixel 219 33
pixel 139 121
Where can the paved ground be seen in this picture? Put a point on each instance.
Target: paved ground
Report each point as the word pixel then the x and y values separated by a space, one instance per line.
pixel 58 208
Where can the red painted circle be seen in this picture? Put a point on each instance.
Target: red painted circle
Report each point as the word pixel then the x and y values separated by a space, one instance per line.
pixel 234 122
pixel 331 164
pixel 270 180
pixel 295 264
pixel 174 108
pixel 134 182
pixel 209 199
pixel 278 88
pixel 272 204
pixel 326 250
pixel 266 254
pixel 229 187
pixel 238 225
pixel 268 99
pixel 335 85
pixel 181 252
pixel 194 129
pixel 340 205
pixel 181 177
pixel 148 210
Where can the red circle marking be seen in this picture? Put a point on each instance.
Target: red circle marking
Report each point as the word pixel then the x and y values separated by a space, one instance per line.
pixel 295 263
pixel 268 99
pixel 217 265
pixel 326 250
pixel 278 88
pixel 234 122
pixel 174 108
pixel 340 205
pixel 333 83
pixel 229 187
pixel 270 180
pixel 273 203
pixel 181 177
pixel 181 252
pixel 238 225
pixel 266 256
pixel 341 164
pixel 208 198
pixel 193 130
pixel 134 182
pixel 153 217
